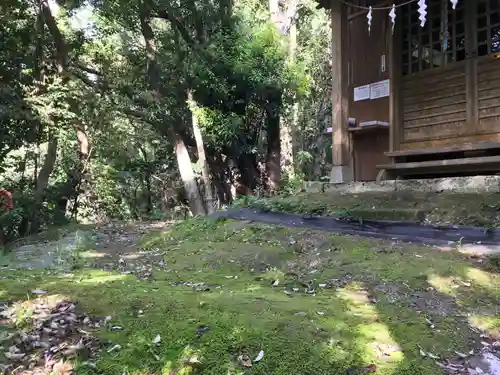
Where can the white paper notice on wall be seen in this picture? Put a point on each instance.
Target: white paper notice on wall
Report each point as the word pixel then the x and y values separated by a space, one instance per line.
pixel 361 93
pixel 379 89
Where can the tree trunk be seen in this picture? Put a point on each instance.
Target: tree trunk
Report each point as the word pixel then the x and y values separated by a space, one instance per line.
pixel 60 43
pixel 42 181
pixel 147 180
pixel 289 123
pixel 273 146
pixel 221 174
pixel 274 122
pixel 187 175
pixel 75 177
pixel 46 170
pixel 274 9
pixel 205 170
pixel 181 151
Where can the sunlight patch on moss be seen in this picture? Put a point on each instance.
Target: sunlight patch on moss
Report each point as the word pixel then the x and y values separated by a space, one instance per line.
pixel 358 302
pixel 168 368
pixel 372 336
pixel 104 279
pixel 443 284
pixel 90 254
pixel 380 346
pixel 489 324
pixel 253 288
pixel 485 279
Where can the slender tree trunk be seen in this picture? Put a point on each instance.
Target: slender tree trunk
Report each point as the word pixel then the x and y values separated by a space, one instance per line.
pixel 273 165
pixel 221 177
pixel 187 175
pixel 76 176
pixel 149 207
pixel 22 169
pixel 274 9
pixel 289 123
pixel 59 42
pixel 147 180
pixel 273 159
pixel 286 25
pixel 205 169
pixel 181 151
pixel 42 181
pixel 47 169
pixel 36 160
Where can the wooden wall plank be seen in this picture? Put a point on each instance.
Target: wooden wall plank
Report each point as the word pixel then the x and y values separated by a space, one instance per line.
pixel 439 130
pixel 425 87
pixel 487 63
pixel 488 75
pixel 437 72
pixel 450 141
pixel 472 96
pixel 488 95
pixel 488 92
pixel 436 120
pixel 436 111
pixel 454 75
pixel 432 95
pixel 488 112
pixel 489 102
pixel 434 103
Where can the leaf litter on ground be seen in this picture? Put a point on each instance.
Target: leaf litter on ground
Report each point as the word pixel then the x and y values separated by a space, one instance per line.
pixel 52 334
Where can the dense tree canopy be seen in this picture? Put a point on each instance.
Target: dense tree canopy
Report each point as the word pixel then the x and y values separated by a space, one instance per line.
pixel 140 109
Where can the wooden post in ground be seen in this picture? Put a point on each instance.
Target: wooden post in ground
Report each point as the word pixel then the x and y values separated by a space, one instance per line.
pixel 341 170
pixel 395 74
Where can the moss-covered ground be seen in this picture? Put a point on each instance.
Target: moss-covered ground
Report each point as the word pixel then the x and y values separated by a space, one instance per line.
pixel 313 302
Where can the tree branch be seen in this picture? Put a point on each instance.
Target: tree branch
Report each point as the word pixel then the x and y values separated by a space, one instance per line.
pixel 61 47
pixel 168 15
pixel 84 79
pixel 88 69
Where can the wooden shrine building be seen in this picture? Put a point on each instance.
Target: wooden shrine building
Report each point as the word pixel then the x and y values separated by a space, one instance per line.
pixel 415 101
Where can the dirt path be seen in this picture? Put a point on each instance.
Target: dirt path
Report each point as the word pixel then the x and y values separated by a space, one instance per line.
pixel 115 243
pixel 104 246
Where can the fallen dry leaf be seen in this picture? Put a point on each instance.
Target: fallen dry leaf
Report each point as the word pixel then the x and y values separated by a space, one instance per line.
pixel 62 368
pixel 245 361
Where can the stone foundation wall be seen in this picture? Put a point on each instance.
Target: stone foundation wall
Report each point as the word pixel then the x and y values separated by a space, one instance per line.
pixel 456 184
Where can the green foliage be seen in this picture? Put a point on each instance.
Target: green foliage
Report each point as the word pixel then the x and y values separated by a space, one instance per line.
pixel 292 185
pixel 226 53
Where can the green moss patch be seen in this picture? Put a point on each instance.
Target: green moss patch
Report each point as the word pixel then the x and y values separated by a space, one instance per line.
pixel 313 302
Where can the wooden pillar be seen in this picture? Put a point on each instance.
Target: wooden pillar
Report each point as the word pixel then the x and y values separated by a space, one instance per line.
pixel 395 76
pixel 471 50
pixel 341 171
